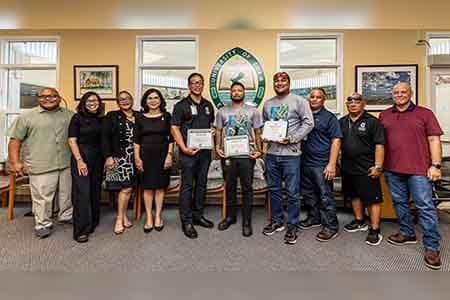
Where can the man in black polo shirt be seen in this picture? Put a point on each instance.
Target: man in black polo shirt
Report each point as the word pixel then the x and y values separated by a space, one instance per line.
pixel 193 112
pixel 361 161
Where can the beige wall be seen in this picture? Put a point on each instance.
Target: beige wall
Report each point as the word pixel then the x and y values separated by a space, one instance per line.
pixel 118 47
pixel 215 14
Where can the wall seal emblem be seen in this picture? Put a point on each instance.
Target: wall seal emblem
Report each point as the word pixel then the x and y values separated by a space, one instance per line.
pixel 237 65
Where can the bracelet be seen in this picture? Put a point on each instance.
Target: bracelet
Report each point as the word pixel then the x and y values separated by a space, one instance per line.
pixel 79 159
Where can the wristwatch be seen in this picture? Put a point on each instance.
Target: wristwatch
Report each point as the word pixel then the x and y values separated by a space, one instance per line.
pixel 437 166
pixel 378 168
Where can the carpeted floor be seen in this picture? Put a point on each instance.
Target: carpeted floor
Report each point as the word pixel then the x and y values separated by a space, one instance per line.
pixel 169 250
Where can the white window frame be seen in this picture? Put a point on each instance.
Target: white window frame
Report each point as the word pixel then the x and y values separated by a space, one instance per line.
pixel 5 106
pixel 339 59
pixel 428 83
pixel 141 66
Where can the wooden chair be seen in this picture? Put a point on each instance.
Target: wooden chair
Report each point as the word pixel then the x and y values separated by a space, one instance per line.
pixel 7 191
pixel 174 188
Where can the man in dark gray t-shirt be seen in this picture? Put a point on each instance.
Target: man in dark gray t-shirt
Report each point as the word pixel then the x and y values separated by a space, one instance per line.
pixel 238 119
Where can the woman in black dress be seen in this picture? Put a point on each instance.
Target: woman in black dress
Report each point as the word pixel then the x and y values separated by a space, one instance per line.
pixel 153 150
pixel 86 165
pixel 117 147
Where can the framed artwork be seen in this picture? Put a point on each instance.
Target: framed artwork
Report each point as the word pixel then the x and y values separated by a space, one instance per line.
pixel 171 94
pixel 102 79
pixel 375 83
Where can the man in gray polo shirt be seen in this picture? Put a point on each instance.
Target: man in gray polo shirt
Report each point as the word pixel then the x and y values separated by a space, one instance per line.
pixel 42 132
pixel 283 156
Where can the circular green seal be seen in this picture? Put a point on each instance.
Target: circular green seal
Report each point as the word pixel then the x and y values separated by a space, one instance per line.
pixel 237 65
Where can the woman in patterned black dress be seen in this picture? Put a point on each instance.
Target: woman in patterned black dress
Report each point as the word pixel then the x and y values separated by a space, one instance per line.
pixel 117 146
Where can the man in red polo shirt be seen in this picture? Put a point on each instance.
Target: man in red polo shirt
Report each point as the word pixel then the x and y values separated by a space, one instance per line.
pixel 412 162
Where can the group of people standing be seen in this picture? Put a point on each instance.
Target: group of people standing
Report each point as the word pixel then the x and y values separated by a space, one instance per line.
pixel 132 147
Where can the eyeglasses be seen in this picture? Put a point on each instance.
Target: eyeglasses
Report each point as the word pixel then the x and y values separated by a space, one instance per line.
pixel 200 82
pixel 352 99
pixel 48 97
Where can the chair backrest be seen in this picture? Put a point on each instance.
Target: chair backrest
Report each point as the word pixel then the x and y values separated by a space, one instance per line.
pixel 446 167
pixel 260 169
pixel 7 167
pixel 176 165
pixel 215 170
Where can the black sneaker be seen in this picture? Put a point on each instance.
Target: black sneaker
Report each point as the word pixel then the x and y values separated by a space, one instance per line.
pixel 82 238
pixel 374 237
pixel 308 223
pixel 43 233
pixel 271 228
pixel 356 225
pixel 291 235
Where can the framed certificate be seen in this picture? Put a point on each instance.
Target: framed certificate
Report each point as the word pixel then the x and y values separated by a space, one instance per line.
pixel 236 146
pixel 274 130
pixel 200 139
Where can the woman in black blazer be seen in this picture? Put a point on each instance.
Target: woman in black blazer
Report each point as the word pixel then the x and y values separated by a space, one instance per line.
pixel 117 147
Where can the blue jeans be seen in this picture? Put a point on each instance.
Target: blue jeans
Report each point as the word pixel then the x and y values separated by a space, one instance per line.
pixel 401 186
pixel 318 196
pixel 287 168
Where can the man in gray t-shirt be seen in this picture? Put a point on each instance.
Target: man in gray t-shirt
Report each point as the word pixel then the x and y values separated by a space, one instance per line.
pixel 238 119
pixel 283 157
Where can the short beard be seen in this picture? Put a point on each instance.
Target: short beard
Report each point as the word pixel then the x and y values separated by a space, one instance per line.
pixel 282 93
pixel 237 100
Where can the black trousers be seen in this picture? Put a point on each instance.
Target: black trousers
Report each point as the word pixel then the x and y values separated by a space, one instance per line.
pixel 86 192
pixel 194 175
pixel 243 169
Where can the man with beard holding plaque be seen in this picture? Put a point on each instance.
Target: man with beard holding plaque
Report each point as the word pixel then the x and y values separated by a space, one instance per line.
pixel 238 143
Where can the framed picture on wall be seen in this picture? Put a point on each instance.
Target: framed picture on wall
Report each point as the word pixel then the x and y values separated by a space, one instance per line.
pixel 102 79
pixel 375 83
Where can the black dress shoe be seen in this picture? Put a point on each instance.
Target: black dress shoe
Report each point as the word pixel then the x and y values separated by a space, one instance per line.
pixel 189 231
pixel 227 222
pixel 148 229
pixel 159 228
pixel 82 238
pixel 247 230
pixel 204 222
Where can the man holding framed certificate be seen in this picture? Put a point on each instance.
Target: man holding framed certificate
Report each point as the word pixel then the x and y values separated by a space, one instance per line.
pixel 238 143
pixel 192 121
pixel 283 153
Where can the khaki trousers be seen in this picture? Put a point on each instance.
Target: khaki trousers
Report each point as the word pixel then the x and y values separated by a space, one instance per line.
pixel 44 189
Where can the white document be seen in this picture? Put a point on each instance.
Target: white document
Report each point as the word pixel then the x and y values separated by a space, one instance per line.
pixel 274 130
pixel 200 139
pixel 236 146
